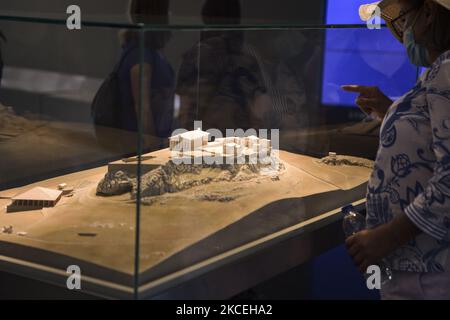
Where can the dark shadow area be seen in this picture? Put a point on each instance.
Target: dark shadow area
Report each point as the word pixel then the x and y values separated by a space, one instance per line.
pixel 265 221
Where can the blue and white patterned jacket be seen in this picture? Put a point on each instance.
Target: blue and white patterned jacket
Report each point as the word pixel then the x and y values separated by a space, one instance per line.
pixel 412 170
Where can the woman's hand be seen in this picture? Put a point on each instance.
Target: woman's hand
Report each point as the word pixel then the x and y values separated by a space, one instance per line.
pixel 370 246
pixel 371 100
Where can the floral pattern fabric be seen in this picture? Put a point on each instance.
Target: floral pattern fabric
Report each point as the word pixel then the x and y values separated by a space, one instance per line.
pixel 412 170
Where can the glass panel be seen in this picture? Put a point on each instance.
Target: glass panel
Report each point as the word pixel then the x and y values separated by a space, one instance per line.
pixel 139 197
pixel 369 58
pixel 183 14
pixel 279 85
pixel 64 96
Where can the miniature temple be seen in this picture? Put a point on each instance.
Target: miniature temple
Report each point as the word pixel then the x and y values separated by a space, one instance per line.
pixel 34 199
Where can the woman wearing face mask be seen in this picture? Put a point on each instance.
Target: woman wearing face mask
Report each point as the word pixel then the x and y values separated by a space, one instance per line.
pixel 408 196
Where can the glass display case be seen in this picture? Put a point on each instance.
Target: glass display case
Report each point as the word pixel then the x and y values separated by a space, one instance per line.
pixel 183 158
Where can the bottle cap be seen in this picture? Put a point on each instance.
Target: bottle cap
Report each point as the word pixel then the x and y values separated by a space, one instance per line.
pixel 348 208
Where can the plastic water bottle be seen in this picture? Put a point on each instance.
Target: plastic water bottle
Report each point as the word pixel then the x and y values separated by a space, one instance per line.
pixel 355 222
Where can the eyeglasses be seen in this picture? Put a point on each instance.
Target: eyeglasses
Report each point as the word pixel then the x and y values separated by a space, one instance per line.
pixel 398 24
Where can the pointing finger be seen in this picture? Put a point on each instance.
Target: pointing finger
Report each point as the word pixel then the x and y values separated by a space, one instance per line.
pixel 365 90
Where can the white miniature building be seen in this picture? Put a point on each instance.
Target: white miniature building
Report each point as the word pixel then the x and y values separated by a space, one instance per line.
pixel 195 145
pixel 232 149
pixel 235 140
pixel 265 143
pixel 34 199
pixel 251 141
pixel 189 141
pixel 62 186
pixel 264 146
pixel 173 142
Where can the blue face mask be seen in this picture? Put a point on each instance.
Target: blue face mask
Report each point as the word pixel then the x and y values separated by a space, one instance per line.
pixel 417 53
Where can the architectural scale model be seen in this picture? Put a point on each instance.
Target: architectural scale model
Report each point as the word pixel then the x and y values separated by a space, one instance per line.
pixel 194 161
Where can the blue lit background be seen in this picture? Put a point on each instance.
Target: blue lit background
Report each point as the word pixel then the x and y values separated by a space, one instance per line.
pixel 361 56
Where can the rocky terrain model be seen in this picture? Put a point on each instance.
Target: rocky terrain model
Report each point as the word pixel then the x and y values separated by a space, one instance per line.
pixel 115 183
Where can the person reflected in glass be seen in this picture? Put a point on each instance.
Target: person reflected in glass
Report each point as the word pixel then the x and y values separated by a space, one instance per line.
pixel 408 194
pixel 289 60
pixel 219 81
pixel 158 75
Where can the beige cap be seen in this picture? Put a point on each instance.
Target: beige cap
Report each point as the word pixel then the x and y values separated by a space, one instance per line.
pixel 366 11
pixel 390 9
